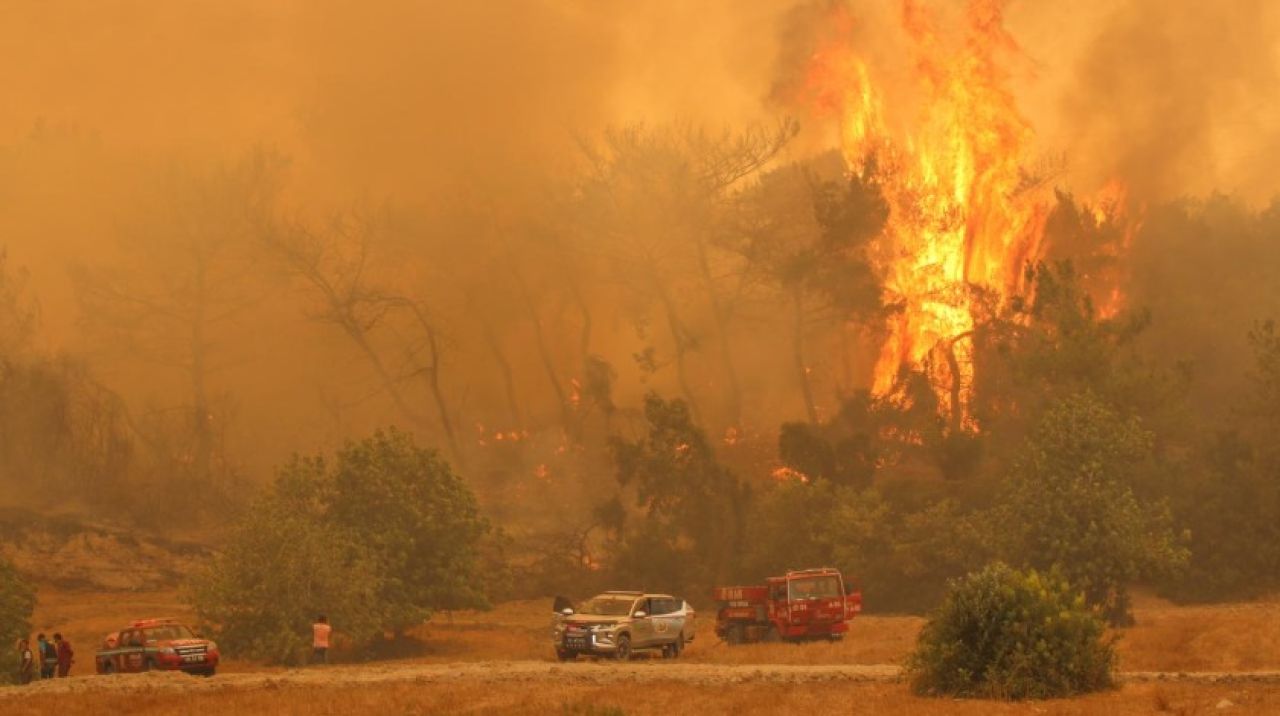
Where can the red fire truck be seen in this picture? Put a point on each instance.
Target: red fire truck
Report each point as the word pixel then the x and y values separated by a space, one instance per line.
pixel 803 604
pixel 161 644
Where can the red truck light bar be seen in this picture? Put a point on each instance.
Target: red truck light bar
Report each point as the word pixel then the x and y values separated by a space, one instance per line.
pixel 142 623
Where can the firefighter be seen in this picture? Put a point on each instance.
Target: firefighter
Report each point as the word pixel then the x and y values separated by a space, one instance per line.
pixel 320 640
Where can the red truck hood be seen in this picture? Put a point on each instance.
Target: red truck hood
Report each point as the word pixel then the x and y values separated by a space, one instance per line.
pixel 184 642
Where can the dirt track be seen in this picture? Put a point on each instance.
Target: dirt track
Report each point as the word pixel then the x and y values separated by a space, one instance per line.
pixel 539 672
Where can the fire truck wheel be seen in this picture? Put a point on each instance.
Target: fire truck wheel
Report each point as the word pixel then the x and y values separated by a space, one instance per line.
pixel 563 655
pixel 147 665
pixel 623 652
pixel 108 668
pixel 772 636
pixel 735 635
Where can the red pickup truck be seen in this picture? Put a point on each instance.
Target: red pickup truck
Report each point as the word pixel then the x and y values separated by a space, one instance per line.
pixel 159 644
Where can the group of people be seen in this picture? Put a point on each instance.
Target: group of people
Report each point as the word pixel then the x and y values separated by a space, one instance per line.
pixel 57 656
pixel 51 657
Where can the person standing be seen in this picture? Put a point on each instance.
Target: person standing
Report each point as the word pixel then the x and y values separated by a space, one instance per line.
pixel 48 655
pixel 320 640
pixel 66 656
pixel 26 662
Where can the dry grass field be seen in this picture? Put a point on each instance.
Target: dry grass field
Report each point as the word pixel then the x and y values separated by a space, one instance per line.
pixel 572 699
pixel 1167 638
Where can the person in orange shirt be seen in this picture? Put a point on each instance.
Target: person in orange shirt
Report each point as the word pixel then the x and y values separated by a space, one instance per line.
pixel 320 640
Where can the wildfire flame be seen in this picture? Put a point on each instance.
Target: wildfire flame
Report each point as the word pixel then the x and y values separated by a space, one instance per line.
pixel 964 217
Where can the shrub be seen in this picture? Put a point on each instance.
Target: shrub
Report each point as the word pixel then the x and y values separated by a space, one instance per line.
pixel 1069 505
pixel 1000 633
pixel 283 565
pixel 377 539
pixel 17 600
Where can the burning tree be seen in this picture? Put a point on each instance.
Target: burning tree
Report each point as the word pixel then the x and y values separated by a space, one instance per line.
pixel 966 214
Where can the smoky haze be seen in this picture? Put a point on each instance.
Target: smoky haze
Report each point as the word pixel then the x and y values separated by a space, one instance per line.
pixel 375 209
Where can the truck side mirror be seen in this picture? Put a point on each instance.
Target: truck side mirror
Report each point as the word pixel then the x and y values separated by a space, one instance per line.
pixel 640 614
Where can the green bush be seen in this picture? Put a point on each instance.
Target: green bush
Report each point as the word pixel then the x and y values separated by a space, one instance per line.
pixel 283 565
pixel 376 539
pixel 1069 504
pixel 1000 633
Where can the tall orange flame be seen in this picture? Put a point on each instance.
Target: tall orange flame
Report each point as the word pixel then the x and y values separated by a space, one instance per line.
pixel 964 216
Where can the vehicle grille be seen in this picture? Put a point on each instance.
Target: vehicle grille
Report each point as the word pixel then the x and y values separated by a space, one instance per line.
pixel 577 638
pixel 191 653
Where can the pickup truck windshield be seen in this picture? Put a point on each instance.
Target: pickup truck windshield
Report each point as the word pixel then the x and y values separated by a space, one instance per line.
pixel 815 587
pixel 607 606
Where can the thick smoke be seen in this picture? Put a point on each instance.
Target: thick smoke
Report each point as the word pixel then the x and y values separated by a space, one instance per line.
pixel 1178 98
pixel 468 118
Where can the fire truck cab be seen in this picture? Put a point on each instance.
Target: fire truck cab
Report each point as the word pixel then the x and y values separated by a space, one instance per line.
pixel 159 644
pixel 803 604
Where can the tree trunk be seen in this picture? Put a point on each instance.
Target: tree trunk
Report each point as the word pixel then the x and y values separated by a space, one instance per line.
pixel 584 340
pixel 432 375
pixel 357 336
pixel 201 419
pixel 734 390
pixel 797 353
pixel 679 336
pixel 508 378
pixel 956 417
pixel 548 364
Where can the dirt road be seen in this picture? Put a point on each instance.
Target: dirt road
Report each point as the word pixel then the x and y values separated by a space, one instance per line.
pixel 538 673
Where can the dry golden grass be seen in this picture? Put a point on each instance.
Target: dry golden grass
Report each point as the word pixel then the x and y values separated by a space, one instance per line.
pixel 662 698
pixel 1166 638
pixel 1229 637
pixel 1220 637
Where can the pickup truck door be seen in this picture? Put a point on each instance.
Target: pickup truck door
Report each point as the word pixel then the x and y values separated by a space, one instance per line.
pixel 641 627
pixel 668 620
pixel 135 654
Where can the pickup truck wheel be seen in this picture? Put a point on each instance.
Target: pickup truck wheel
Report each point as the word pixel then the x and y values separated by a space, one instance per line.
pixel 623 652
pixel 677 647
pixel 670 651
